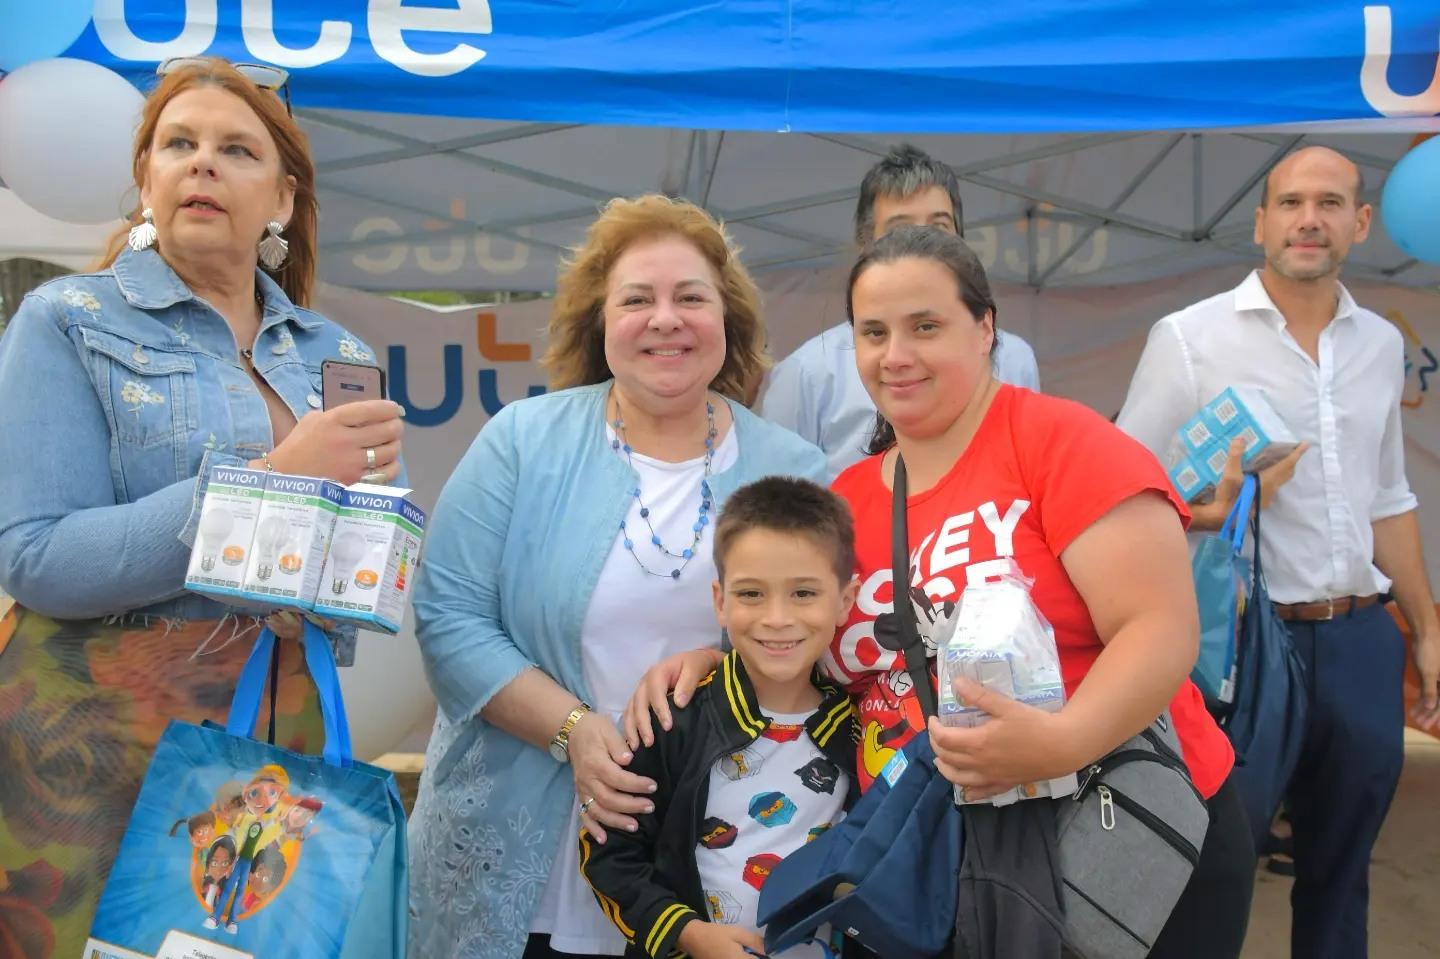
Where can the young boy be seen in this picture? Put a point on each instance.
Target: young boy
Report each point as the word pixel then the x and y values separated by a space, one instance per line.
pixel 762 759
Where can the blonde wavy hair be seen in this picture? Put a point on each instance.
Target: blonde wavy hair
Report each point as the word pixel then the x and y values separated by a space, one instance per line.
pixel 576 354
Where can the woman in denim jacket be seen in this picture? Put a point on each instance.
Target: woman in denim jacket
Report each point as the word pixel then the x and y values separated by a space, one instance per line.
pixel 569 551
pixel 121 389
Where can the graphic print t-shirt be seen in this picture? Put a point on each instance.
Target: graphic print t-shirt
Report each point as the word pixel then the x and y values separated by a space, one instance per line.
pixel 1039 471
pixel 766 801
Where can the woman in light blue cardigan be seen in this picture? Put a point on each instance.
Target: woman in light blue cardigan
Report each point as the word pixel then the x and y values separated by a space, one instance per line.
pixel 569 551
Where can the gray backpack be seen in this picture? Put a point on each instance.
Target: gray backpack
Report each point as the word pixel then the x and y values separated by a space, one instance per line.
pixel 1128 841
pixel 1094 875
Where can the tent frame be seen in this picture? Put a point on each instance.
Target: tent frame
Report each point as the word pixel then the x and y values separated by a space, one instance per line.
pixel 693 176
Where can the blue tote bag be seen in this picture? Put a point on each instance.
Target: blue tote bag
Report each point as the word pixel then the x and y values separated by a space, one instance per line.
pixel 240 850
pixel 888 874
pixel 1221 583
pixel 1271 711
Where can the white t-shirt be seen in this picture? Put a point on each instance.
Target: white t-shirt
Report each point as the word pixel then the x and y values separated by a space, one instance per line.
pixel 634 620
pixel 765 802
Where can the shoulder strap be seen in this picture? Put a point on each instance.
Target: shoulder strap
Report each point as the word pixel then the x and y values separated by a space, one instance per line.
pixel 912 647
pixel 1257 567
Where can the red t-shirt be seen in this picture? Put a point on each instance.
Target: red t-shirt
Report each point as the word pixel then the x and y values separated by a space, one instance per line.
pixel 1038 473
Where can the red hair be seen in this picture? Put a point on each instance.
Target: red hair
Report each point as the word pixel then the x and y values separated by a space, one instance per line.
pixel 297 275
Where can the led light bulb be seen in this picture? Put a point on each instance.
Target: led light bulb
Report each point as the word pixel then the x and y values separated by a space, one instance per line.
pixel 215 525
pixel 290 559
pixel 268 539
pixel 347 550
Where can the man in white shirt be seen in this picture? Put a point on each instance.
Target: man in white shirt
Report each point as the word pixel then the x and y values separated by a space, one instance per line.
pixel 816 391
pixel 1340 533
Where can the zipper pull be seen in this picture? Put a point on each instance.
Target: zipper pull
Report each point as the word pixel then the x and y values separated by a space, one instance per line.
pixel 1107 808
pixel 1085 782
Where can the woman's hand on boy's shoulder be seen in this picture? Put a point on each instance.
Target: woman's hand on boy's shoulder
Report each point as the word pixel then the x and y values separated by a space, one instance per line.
pixel 679 674
pixel 610 795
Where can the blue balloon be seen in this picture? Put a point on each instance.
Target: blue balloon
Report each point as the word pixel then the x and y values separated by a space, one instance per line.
pixel 41 29
pixel 1410 205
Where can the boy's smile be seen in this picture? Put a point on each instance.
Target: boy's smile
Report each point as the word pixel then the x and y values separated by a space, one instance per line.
pixel 781 603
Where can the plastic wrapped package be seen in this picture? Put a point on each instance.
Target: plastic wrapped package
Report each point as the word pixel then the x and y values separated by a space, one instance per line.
pixel 999 639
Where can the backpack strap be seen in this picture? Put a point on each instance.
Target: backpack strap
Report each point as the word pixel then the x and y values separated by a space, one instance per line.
pixel 912 647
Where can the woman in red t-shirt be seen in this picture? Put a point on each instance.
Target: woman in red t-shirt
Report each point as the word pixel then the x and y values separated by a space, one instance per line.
pixel 998 476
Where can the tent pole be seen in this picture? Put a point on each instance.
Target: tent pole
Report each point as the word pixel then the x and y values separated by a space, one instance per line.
pixel 1197 185
pixel 1072 144
pixel 1032 247
pixel 539 179
pixel 1250 182
pixel 1135 224
pixel 1125 194
pixel 1364 159
pixel 713 162
pixel 506 135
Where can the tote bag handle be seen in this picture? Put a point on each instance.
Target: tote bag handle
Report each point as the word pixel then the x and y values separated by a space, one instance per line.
pixel 1234 526
pixel 320 660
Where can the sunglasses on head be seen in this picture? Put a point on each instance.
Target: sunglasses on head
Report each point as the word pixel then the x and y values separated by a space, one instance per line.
pixel 264 76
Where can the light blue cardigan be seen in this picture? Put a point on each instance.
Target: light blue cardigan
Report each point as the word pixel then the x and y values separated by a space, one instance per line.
pixel 515 547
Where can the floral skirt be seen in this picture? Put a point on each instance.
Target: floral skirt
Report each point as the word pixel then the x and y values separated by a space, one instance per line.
pixel 82 705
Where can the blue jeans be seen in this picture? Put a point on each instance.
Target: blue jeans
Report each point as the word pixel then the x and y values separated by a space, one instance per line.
pixel 1348 771
pixel 236 881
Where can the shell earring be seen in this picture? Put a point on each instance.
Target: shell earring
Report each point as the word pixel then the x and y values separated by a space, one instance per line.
pixel 274 247
pixel 143 234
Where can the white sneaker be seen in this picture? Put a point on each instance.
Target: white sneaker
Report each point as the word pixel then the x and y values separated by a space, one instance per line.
pixel 231 928
pixel 210 922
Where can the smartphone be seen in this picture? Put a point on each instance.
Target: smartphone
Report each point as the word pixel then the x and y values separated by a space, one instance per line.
pixel 342 382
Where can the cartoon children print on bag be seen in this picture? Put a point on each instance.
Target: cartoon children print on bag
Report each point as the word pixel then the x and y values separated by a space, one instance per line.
pixel 245 846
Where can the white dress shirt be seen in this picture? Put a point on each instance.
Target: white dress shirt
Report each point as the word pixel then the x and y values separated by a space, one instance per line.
pixel 1317 540
pixel 816 391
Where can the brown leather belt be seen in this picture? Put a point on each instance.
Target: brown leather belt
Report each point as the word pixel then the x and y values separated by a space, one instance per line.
pixel 1324 609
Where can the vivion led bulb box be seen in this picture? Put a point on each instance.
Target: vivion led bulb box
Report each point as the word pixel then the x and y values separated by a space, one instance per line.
pixel 223 541
pixel 292 533
pixel 373 556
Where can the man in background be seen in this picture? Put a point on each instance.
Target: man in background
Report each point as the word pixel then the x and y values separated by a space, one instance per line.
pixel 816 391
pixel 1340 523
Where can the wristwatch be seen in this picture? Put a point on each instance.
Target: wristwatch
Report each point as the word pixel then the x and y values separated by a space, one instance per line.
pixel 560 745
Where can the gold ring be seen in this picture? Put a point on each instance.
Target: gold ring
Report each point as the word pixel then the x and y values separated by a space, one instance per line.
pixel 585 806
pixel 370 459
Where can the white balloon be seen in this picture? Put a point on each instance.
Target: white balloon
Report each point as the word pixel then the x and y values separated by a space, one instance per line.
pixel 386 695
pixel 66 131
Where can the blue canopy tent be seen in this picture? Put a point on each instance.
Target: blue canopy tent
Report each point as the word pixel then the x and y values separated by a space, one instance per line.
pixel 466 143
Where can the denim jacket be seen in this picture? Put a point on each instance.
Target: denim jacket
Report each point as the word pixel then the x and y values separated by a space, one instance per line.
pixel 120 390
pixel 517 542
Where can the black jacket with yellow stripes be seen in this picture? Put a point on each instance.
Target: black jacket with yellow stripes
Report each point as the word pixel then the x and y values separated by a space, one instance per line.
pixel 647 881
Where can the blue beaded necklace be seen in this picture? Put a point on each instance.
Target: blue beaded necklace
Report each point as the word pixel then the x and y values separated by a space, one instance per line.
pixel 622 444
